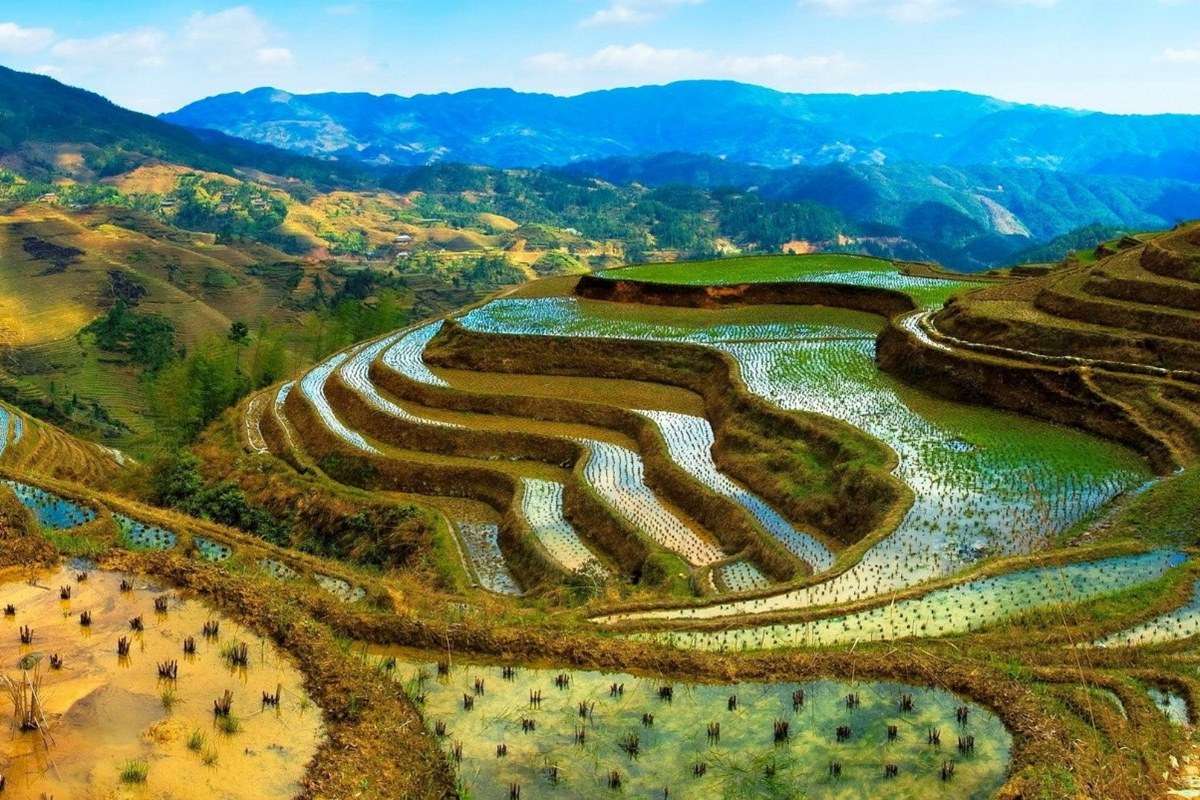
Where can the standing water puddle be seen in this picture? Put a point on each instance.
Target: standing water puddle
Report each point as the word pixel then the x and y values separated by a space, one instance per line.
pixel 108 717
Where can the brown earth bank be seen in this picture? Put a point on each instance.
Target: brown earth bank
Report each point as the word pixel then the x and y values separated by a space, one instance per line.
pixel 885 302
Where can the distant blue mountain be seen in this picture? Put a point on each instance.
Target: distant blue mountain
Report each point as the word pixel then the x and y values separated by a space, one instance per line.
pixel 734 121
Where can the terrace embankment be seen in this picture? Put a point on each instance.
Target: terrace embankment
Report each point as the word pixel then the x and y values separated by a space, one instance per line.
pixel 1069 396
pixel 1109 347
pixel 495 488
pixel 818 472
pixel 885 302
pixel 729 522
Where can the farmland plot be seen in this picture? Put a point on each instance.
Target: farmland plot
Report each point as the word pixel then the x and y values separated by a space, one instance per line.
pixel 481 544
pixel 617 475
pixel 51 510
pixel 568 732
pixel 312 386
pixel 404 356
pixel 107 710
pixel 1182 623
pixel 985 482
pixel 542 507
pixel 689 441
pixel 835 268
pixel 615 472
pixel 741 576
pixel 356 372
pixel 955 610
pixel 138 535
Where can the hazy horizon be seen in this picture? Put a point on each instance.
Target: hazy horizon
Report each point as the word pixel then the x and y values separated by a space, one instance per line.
pixel 1082 54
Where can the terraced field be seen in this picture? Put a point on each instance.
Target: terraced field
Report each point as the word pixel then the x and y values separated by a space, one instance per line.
pixel 984 483
pixel 736 550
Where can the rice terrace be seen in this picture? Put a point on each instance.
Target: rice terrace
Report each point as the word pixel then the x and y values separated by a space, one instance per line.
pixel 697 440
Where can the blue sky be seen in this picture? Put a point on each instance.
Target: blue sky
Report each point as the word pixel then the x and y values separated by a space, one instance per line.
pixel 1127 56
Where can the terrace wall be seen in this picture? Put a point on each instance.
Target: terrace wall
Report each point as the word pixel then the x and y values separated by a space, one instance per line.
pixel 885 302
pixel 849 499
pixel 1061 395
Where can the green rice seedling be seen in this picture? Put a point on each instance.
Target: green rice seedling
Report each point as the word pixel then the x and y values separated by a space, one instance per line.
pixel 196 740
pixel 134 771
pixel 229 724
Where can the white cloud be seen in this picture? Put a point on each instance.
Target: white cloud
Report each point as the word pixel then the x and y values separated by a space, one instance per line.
pixel 643 62
pixel 141 47
pixel 18 40
pixel 915 11
pixel 234 28
pixel 632 12
pixel 274 56
pixel 1189 55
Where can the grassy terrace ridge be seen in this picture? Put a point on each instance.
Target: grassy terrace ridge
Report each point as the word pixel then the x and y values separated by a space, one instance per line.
pixel 928 286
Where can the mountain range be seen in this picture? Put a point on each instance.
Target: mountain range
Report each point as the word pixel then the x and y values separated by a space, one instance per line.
pixel 734 121
pixel 967 180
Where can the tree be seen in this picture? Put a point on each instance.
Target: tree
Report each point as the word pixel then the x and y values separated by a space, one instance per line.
pixel 238 333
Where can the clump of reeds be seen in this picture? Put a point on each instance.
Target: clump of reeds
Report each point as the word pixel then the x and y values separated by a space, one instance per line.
pixel 56 661
pixel 160 604
pixel 85 619
pixel 272 700
pixel 189 646
pixel 136 624
pixel 238 655
pixel 223 705
pixel 123 646
pixel 168 670
pixel 211 629
pixel 64 593
pixel 25 695
pixel 26 634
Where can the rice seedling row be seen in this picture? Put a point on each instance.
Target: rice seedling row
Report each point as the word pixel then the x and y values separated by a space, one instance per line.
pixel 252 423
pixel 544 733
pixel 312 386
pixel 211 550
pixel 741 576
pixel 985 482
pixel 1182 623
pixel 138 535
pixel 404 356
pixel 357 373
pixel 959 609
pixel 690 441
pixel 618 475
pixel 542 507
pixel 51 510
pixel 481 542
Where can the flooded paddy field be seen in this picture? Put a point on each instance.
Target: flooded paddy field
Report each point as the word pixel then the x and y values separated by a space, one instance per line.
pixel 985 482
pixel 131 683
pixel 588 734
